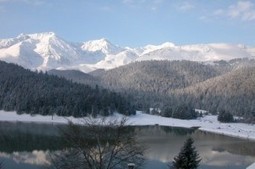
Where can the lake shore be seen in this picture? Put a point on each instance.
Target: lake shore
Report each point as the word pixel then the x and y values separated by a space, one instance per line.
pixel 207 123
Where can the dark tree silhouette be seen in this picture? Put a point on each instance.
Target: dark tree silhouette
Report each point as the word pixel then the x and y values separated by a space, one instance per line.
pixel 188 158
pixel 225 117
pixel 99 145
pixel 39 93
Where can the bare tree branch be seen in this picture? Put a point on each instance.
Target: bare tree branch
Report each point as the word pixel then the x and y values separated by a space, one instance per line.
pixel 101 144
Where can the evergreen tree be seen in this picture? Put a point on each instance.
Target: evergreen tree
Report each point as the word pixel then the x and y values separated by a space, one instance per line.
pixel 39 93
pixel 188 158
pixel 225 117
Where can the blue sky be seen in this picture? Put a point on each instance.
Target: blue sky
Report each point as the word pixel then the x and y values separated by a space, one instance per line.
pixel 133 23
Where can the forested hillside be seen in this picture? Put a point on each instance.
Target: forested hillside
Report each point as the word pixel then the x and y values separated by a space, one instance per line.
pixel 76 76
pixel 227 85
pixel 39 93
pixel 234 91
pixel 157 76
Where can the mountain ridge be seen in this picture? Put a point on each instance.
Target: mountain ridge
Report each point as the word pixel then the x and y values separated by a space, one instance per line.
pixel 227 85
pixel 45 51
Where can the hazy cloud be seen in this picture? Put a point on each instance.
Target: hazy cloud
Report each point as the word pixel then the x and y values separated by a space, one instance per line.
pixel 243 10
pixel 186 6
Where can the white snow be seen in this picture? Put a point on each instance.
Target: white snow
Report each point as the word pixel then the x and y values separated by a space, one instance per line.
pixel 251 166
pixel 101 45
pixel 207 123
pixel 44 51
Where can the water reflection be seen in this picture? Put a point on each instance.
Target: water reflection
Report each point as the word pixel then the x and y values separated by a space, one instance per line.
pixel 216 150
pixel 26 145
pixel 19 137
pixel 34 158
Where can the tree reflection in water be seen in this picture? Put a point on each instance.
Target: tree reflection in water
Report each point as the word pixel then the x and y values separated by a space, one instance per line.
pixel 29 142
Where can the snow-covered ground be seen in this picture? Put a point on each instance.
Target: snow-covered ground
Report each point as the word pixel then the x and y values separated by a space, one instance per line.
pixel 207 123
pixel 251 166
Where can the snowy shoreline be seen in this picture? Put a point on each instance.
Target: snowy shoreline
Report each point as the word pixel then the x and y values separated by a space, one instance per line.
pixel 207 123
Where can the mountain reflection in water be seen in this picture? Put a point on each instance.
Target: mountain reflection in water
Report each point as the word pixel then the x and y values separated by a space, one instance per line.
pixel 28 145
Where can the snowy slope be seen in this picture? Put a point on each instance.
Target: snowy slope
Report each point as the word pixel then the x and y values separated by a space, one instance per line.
pixel 38 51
pixel 102 45
pixel 44 51
pixel 201 53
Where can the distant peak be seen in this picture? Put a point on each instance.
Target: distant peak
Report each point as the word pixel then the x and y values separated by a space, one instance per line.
pixel 49 34
pixel 168 44
pixel 23 36
pixel 150 48
pixel 37 35
pixel 102 44
pixel 102 41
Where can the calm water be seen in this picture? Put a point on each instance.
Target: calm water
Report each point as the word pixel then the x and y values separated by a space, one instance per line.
pixel 27 146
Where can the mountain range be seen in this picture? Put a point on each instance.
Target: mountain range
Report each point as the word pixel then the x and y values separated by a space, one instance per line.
pixel 222 85
pixel 46 51
pixel 212 77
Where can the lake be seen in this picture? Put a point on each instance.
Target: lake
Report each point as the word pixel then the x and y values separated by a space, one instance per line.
pixel 28 145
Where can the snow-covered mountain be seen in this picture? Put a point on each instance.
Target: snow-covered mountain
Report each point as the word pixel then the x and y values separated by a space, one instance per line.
pixel 44 51
pixel 38 51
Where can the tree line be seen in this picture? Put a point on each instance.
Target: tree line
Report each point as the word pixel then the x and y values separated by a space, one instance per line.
pixel 39 93
pixel 174 85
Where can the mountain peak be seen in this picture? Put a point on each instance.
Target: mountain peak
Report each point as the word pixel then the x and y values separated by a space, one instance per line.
pixel 42 35
pixel 46 50
pixel 167 44
pixel 103 40
pixel 102 45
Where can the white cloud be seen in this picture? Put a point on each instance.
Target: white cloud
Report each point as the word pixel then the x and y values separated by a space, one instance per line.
pixel 244 10
pixel 186 6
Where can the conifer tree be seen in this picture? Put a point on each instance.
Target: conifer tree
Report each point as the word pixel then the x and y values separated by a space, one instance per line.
pixel 188 158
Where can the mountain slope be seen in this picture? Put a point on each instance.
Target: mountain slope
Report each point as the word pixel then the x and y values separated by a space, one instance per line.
pixel 221 85
pixel 45 51
pixel 38 51
pixel 156 76
pixel 76 76
pixel 233 91
pixel 37 93
pixel 204 53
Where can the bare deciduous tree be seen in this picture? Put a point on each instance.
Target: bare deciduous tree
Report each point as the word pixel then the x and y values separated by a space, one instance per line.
pixel 99 144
